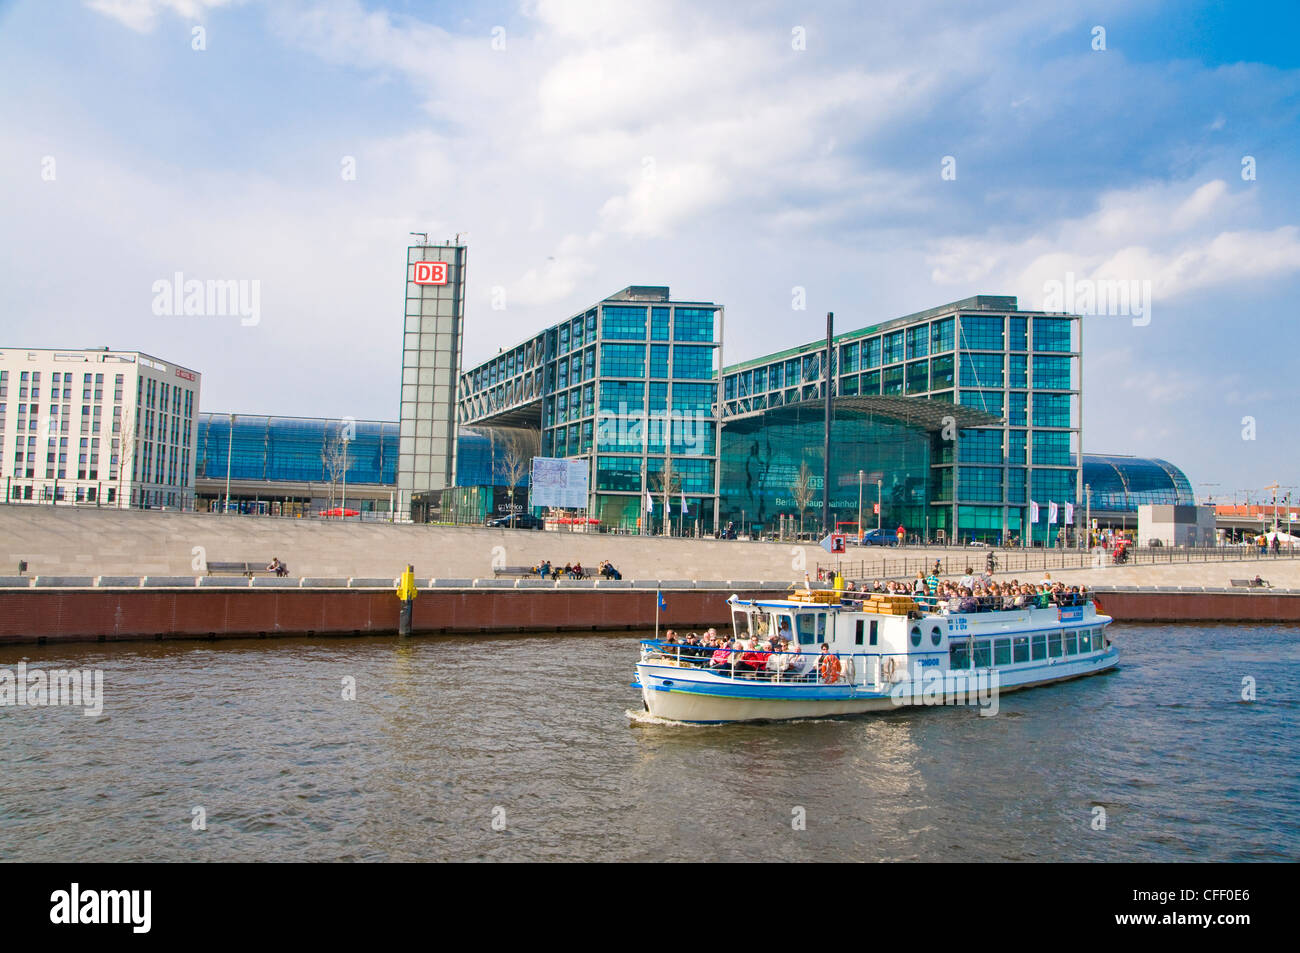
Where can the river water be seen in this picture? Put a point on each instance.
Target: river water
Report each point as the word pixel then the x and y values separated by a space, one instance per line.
pixel 522 748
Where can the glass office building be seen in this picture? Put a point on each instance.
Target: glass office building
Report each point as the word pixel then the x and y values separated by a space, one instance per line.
pixel 1019 369
pixel 629 385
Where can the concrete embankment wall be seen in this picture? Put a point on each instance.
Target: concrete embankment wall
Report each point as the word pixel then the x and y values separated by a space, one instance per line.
pixel 54 610
pixel 73 610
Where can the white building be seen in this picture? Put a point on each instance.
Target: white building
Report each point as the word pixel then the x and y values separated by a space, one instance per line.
pixel 69 418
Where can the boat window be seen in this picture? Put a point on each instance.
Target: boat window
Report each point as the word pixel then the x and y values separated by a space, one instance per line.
pixel 935 636
pixel 1020 648
pixel 1071 643
pixel 1040 647
pixel 761 625
pixel 783 627
pixel 807 622
pixel 875 632
pixel 857 632
pixel 916 636
pixel 1001 651
pixel 982 654
pixel 1054 644
pixel 959 655
pixel 821 628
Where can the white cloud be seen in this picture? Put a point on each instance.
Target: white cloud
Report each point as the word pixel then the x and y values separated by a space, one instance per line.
pixel 142 15
pixel 1176 236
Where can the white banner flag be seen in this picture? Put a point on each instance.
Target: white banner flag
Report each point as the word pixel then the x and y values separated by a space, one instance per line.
pixel 683 504
pixel 1051 513
pixel 1069 514
pixel 649 502
pixel 1033 512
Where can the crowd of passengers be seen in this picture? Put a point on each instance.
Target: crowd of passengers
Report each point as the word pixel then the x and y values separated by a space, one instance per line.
pixel 975 592
pixel 772 657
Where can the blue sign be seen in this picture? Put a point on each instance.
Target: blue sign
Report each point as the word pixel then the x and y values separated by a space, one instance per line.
pixel 1071 613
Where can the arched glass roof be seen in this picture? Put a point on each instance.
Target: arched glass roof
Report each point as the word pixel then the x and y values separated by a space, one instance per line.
pixel 1121 483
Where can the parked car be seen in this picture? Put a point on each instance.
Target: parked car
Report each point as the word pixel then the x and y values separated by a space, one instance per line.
pixel 879 537
pixel 521 521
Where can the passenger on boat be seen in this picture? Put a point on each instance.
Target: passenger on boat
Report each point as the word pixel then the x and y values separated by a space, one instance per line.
pixel 754 660
pixel 828 666
pixel 968 580
pixel 722 656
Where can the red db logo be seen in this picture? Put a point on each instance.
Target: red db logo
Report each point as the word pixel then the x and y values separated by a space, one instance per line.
pixel 430 273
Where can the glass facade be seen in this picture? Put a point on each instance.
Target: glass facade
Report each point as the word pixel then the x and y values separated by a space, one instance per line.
pixel 631 385
pixel 293 449
pixel 982 353
pixel 1119 484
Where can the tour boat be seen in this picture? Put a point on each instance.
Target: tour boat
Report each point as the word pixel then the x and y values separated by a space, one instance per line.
pixel 883 652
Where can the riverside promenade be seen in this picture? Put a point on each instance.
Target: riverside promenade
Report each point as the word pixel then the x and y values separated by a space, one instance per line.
pixel 123 575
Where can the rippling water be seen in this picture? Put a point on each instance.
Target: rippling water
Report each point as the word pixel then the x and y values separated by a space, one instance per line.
pixel 447 734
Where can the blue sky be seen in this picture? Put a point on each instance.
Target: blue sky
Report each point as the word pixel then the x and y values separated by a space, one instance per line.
pixel 688 144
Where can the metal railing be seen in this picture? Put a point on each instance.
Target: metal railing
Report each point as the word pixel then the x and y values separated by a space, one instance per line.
pixel 793 668
pixel 1043 560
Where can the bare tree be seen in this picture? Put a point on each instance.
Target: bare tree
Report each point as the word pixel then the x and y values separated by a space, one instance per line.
pixel 335 457
pixel 521 445
pixel 802 489
pixel 667 481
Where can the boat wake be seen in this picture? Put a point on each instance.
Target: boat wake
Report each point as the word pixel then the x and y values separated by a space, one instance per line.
pixel 645 718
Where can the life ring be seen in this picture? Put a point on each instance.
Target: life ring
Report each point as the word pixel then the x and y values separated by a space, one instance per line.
pixel 829 667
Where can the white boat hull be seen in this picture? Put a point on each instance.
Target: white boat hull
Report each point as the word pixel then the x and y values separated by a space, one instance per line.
pixel 695 695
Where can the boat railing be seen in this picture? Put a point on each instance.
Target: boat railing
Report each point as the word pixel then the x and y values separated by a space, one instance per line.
pixel 935 605
pixel 861 669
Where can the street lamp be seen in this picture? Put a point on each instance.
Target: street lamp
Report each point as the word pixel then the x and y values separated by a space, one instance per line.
pixel 344 508
pixel 230 446
pixel 860 476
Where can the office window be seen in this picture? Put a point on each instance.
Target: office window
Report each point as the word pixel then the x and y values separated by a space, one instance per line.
pixel 658 360
pixel 941 336
pixel 871 353
pixel 849 354
pixel 692 363
pixel 1051 410
pixel 892 380
pixel 981 370
pixel 980 446
pixel 989 401
pixel 871 383
pixel 622 360
pixel 1051 334
pixel 980 484
pixel 1050 372
pixel 623 323
pixel 981 333
pixel 918 377
pixel 659 324
pixel 918 341
pixel 1051 448
pixel 893 348
pixel 941 372
pixel 1018 339
pixel 1016 373
pixel 693 324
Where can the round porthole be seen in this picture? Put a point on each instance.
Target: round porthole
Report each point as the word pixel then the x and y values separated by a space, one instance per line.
pixel 916 636
pixel 935 636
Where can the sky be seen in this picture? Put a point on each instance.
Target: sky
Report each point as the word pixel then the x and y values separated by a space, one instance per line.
pixel 882 159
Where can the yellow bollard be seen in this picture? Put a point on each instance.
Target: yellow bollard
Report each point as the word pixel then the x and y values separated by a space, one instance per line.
pixel 406 593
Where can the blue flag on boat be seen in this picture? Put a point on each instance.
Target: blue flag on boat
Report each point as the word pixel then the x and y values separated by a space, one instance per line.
pixel 660 597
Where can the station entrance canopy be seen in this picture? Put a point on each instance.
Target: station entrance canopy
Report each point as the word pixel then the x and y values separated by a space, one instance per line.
pixel 920 412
